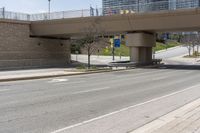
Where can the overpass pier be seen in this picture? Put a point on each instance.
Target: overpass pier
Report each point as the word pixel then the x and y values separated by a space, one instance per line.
pixel 140 44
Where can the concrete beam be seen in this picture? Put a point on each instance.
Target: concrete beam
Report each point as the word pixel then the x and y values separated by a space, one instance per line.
pixel 141 39
pixel 178 20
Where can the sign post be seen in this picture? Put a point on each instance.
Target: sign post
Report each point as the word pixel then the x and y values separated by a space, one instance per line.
pixel 117 43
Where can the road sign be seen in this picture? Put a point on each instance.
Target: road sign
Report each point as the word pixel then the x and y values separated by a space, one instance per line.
pixel 117 43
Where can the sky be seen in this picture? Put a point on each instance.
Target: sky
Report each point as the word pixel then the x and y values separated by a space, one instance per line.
pixel 38 6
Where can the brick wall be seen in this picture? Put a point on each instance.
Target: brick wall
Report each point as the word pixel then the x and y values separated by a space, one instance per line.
pixel 18 50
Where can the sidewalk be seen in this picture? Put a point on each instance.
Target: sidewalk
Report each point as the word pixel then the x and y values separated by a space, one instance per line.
pixel 36 74
pixel 182 60
pixel 47 73
pixel 98 60
pixel 183 120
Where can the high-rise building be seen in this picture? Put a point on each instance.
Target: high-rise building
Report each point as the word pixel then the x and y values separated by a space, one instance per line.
pixel 117 6
pixel 114 6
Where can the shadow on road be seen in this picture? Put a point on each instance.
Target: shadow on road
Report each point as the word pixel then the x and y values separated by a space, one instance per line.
pixel 180 67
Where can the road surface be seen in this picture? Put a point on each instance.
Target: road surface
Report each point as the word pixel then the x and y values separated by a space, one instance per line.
pixel 62 104
pixel 172 52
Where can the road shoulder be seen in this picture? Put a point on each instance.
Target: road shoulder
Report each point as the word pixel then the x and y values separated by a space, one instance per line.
pixel 184 119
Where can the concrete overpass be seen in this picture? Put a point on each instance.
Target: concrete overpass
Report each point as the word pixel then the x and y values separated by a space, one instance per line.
pixel 139 28
pixel 18 48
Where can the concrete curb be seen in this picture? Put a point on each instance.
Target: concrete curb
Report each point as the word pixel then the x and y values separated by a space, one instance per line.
pixel 164 120
pixel 59 75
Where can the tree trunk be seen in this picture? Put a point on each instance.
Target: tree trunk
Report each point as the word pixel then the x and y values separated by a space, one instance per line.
pixel 193 47
pixel 88 61
pixel 189 51
pixel 88 57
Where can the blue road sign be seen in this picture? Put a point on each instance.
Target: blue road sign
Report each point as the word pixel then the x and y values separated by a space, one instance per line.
pixel 117 43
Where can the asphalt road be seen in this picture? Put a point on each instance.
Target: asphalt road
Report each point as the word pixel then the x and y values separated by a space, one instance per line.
pixel 173 52
pixel 50 104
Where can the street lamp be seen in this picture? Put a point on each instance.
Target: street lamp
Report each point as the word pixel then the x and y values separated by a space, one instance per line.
pixel 49 8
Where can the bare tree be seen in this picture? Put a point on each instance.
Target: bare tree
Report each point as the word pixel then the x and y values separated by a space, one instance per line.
pixel 92 39
pixel 198 42
pixel 190 41
pixel 185 39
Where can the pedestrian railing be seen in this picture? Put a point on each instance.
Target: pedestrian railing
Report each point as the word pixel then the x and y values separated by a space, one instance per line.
pixel 16 16
pixel 135 8
pixel 2 12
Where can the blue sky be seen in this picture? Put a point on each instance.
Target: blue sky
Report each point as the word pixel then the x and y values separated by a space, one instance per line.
pixel 36 6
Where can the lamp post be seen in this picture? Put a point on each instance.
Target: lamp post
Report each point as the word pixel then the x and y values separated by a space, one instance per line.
pixel 49 8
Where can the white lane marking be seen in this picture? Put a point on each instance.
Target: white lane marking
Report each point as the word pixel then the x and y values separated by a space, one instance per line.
pixel 124 109
pixel 58 80
pixel 2 90
pixel 86 91
pixel 66 83
pixel 160 78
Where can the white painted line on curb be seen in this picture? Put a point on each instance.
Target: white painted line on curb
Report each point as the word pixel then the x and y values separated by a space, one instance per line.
pixel 86 91
pixel 124 109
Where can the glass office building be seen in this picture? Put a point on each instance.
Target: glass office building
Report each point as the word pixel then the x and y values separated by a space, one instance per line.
pixel 116 6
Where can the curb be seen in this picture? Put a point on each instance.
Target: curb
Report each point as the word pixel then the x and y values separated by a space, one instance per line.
pixel 59 75
pixel 166 119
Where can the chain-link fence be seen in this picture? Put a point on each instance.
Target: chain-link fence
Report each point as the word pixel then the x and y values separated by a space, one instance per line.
pixel 2 12
pixel 67 14
pixel 135 8
pixel 14 15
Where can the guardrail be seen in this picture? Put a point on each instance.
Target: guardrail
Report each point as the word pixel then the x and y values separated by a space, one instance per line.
pixel 136 8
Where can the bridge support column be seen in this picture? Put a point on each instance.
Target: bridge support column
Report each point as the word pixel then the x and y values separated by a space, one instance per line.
pixel 141 47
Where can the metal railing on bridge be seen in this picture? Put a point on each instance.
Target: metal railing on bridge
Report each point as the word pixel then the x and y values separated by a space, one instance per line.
pixel 66 14
pixel 14 15
pixel 2 12
pixel 135 8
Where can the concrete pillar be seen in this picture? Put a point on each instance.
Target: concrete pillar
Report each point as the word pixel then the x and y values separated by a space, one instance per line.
pixel 141 47
pixel 134 54
pixel 142 55
pixel 149 54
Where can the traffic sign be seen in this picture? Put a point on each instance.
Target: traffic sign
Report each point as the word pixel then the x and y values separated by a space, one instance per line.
pixel 117 43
